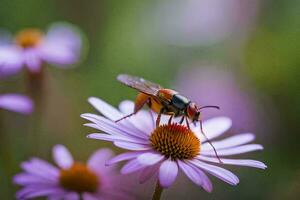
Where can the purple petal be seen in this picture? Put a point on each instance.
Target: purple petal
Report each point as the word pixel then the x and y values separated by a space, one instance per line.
pixel 114 128
pixel 64 34
pixel 241 162
pixel 27 179
pixel 218 172
pixel 32 60
pixel 11 60
pixel 167 173
pixel 150 158
pixel 38 191
pixel 148 172
pixel 104 108
pixel 62 156
pixel 98 159
pixel 234 150
pixel 16 103
pixel 196 175
pixel 132 146
pixel 132 166
pixel 213 127
pixel 41 168
pixel 71 196
pixel 122 157
pixel 230 142
pixel 114 138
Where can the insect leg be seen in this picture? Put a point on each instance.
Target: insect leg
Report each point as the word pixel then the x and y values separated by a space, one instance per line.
pixel 201 129
pixel 140 101
pixel 170 119
pixel 181 121
pixel 159 116
pixel 187 123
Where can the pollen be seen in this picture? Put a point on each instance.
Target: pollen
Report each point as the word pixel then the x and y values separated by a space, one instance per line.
pixel 29 38
pixel 175 141
pixel 79 178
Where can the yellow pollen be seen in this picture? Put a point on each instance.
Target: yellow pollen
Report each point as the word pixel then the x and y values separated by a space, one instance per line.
pixel 175 141
pixel 29 38
pixel 79 178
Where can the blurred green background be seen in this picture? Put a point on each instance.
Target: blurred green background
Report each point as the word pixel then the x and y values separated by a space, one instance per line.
pixel 133 37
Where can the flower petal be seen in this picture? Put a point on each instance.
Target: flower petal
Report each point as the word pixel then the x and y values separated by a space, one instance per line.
pixel 122 157
pixel 62 156
pixel 16 103
pixel 235 140
pixel 167 173
pixel 234 150
pixel 213 127
pixel 240 162
pixel 132 166
pixel 148 172
pixel 196 175
pixel 32 60
pixel 218 172
pixel 98 159
pixel 150 158
pixel 105 109
pixel 132 146
pixel 11 60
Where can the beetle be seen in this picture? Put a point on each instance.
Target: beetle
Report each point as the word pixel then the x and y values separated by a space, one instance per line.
pixel 164 101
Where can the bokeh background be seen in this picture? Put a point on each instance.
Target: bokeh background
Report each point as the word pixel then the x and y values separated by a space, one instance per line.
pixel 240 54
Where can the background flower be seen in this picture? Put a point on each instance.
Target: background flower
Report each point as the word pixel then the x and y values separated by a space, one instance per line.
pixel 61 46
pixel 70 179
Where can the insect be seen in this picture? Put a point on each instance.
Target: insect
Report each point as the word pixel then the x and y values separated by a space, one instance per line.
pixel 164 101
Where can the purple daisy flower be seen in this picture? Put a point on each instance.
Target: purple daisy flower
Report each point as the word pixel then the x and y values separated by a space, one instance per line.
pixel 70 180
pixel 166 149
pixel 61 46
pixel 16 103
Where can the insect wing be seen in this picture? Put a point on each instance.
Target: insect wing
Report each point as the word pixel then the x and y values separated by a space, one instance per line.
pixel 140 84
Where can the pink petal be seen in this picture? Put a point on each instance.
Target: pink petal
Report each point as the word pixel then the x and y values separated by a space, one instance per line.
pixel 234 150
pixel 167 173
pixel 150 158
pixel 114 138
pixel 131 166
pixel 240 162
pixel 16 103
pixel 236 140
pixel 122 157
pixel 62 156
pixel 218 172
pixel 196 175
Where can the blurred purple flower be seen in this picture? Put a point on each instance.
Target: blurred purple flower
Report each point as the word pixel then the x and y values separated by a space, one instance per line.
pixel 168 148
pixel 61 46
pixel 70 179
pixel 194 22
pixel 17 103
pixel 212 86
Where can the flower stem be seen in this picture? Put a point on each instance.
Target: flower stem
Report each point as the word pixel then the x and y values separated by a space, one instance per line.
pixel 157 192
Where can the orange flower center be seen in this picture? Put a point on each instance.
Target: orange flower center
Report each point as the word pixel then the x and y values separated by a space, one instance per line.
pixel 79 178
pixel 29 38
pixel 175 141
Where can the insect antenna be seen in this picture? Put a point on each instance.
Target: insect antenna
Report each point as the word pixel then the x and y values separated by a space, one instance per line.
pixel 201 129
pixel 216 107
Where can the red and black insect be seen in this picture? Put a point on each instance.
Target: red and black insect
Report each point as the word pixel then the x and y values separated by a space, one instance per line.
pixel 164 101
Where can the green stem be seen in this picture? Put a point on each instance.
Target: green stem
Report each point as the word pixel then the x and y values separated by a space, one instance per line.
pixel 157 191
